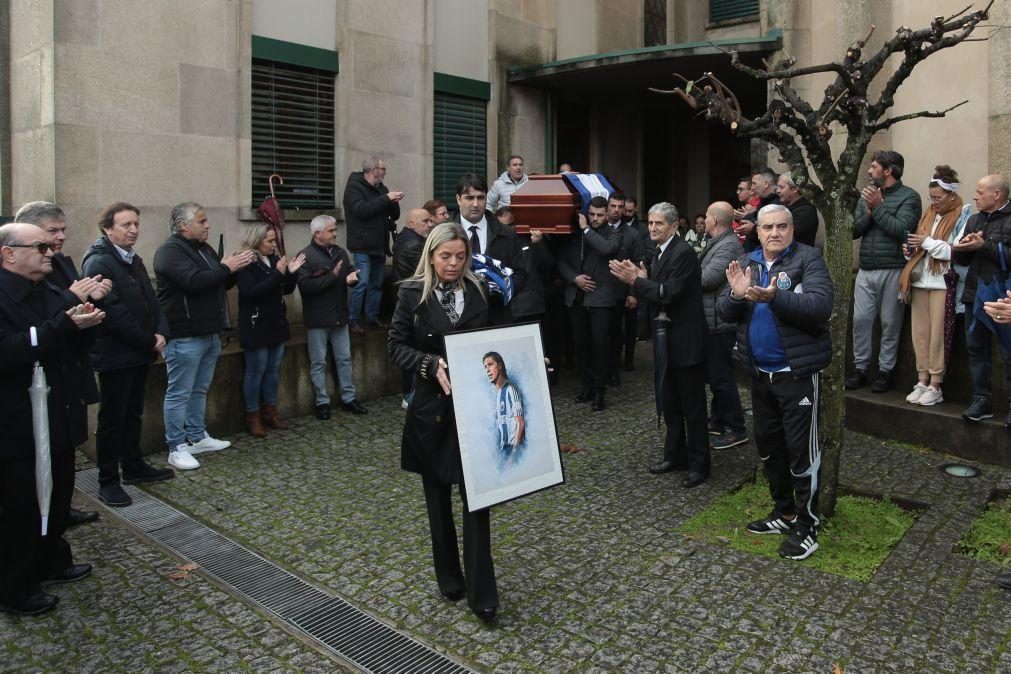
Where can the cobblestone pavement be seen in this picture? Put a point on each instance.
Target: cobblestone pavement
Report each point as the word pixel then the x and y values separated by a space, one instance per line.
pixel 592 575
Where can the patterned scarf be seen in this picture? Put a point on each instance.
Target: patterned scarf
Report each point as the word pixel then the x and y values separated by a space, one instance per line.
pixel 447 297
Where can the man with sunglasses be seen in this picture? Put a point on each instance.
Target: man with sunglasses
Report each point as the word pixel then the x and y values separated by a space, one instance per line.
pixel 36 326
pixel 51 219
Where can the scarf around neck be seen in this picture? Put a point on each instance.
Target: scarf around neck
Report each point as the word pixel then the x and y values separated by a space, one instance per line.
pixel 944 228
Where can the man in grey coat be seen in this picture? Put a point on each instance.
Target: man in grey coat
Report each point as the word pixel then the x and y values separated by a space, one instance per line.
pixel 726 418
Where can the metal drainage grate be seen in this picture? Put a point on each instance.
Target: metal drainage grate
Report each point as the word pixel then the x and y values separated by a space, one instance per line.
pixel 348 632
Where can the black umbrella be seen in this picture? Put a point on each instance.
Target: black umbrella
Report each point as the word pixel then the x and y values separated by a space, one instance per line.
pixel 660 325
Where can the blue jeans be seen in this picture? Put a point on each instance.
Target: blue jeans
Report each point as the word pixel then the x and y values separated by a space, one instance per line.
pixel 978 342
pixel 369 288
pixel 263 373
pixel 190 363
pixel 340 342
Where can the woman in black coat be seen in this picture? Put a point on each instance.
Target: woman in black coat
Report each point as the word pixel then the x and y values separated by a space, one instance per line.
pixel 263 325
pixel 448 297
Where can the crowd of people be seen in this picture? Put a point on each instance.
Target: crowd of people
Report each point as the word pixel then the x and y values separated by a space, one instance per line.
pixel 745 280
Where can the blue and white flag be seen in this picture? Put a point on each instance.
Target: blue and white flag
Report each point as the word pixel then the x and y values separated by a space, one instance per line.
pixel 498 276
pixel 589 185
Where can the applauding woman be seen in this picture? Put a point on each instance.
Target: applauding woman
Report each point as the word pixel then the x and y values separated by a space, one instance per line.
pixel 263 325
pixel 443 296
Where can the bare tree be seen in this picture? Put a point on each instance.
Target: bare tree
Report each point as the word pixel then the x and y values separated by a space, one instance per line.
pixel 801 133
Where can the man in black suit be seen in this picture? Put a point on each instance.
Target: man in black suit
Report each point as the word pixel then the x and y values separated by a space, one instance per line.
pixel 590 296
pixel 674 287
pixel 36 326
pixel 51 219
pixel 490 238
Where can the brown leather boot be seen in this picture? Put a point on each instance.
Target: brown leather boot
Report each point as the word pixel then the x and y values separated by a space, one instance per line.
pixel 255 425
pixel 272 418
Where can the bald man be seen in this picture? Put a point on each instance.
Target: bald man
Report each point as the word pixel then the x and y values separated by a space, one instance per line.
pixel 410 241
pixel 37 327
pixel 979 249
pixel 726 418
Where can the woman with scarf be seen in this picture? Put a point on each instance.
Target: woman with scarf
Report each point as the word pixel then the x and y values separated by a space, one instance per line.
pixel 922 283
pixel 443 296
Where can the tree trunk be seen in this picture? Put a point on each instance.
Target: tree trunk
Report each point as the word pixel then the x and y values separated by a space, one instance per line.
pixel 831 428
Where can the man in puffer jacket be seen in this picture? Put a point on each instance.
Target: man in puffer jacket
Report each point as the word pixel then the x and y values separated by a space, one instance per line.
pixel 511 180
pixel 781 296
pixel 371 211
pixel 887 213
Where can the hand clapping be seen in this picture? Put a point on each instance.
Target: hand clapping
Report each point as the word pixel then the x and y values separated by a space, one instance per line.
pixel 85 315
pixel 741 288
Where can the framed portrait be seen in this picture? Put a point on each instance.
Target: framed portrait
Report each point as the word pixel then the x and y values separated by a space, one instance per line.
pixel 504 417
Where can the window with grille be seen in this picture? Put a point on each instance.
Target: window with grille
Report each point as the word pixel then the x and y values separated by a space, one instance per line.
pixel 293 134
pixel 460 143
pixel 722 10
pixel 654 23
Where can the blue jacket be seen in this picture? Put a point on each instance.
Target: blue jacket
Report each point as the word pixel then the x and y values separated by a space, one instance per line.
pixel 800 309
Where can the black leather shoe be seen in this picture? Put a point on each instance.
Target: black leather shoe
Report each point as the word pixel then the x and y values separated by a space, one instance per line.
pixel 585 396
pixel 883 382
pixel 356 328
pixel 693 479
pixel 665 467
pixel 355 407
pixel 453 595
pixel 71 574
pixel 146 473
pixel 76 517
pixel 38 603
pixel 322 412
pixel 598 402
pixel 856 380
pixel 1004 580
pixel 487 615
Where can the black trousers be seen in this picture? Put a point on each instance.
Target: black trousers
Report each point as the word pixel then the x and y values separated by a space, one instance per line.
pixel 726 412
pixel 26 556
pixel 479 582
pixel 786 434
pixel 590 332
pixel 622 332
pixel 630 331
pixel 120 415
pixel 553 330
pixel 684 412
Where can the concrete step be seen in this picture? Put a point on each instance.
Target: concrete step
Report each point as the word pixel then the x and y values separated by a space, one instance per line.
pixel 939 427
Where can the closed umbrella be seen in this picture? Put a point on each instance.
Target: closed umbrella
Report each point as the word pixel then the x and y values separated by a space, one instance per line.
pixel 39 393
pixel 660 325
pixel 271 213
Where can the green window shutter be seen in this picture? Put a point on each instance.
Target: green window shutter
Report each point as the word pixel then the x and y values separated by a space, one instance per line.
pixel 293 134
pixel 461 141
pixel 722 10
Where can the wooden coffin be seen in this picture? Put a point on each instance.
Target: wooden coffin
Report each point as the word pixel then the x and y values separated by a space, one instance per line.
pixel 547 203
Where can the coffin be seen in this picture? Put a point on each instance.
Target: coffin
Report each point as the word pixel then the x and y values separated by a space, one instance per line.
pixel 547 203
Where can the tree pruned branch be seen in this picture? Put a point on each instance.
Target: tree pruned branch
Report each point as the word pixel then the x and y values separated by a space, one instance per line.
pixel 881 126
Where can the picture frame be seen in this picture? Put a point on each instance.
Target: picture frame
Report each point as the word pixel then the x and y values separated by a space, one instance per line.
pixel 505 418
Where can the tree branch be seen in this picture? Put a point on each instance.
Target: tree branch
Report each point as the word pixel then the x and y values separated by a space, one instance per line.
pixel 881 126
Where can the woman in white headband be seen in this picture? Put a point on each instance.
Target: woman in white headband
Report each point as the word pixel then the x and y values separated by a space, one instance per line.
pixel 922 284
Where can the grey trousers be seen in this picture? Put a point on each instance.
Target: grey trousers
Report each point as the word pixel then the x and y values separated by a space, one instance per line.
pixel 876 295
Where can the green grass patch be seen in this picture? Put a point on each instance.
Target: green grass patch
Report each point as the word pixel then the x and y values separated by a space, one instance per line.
pixel 852 544
pixel 989 539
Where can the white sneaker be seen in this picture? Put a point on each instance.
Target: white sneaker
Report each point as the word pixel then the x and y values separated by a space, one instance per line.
pixel 208 444
pixel 181 458
pixel 931 396
pixel 918 390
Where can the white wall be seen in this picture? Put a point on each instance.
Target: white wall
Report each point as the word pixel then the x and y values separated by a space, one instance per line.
pixel 461 38
pixel 308 22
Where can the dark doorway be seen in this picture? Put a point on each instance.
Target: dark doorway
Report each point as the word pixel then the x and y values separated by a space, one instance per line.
pixel 573 139
pixel 658 166
pixel 730 160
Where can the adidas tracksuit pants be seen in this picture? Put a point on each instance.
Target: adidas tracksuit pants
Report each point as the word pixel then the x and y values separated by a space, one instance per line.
pixel 786 434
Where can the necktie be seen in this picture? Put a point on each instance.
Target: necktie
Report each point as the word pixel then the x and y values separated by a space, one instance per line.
pixel 475 241
pixel 448 300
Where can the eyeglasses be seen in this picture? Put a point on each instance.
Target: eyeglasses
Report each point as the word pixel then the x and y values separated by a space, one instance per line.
pixel 41 246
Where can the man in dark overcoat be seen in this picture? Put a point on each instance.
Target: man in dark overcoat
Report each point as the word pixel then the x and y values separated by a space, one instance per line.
pixel 37 326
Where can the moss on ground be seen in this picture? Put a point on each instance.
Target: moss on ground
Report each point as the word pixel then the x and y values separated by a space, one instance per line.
pixel 852 544
pixel 989 539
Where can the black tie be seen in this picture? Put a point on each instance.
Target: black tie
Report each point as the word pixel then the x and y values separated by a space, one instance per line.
pixel 475 241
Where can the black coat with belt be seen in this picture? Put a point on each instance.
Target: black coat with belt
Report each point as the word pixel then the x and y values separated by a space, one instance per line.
pixel 133 316
pixel 675 287
pixel 62 349
pixel 430 445
pixel 263 314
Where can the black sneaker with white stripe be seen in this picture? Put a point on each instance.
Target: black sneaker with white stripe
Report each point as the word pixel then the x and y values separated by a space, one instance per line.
pixel 800 545
pixel 775 523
